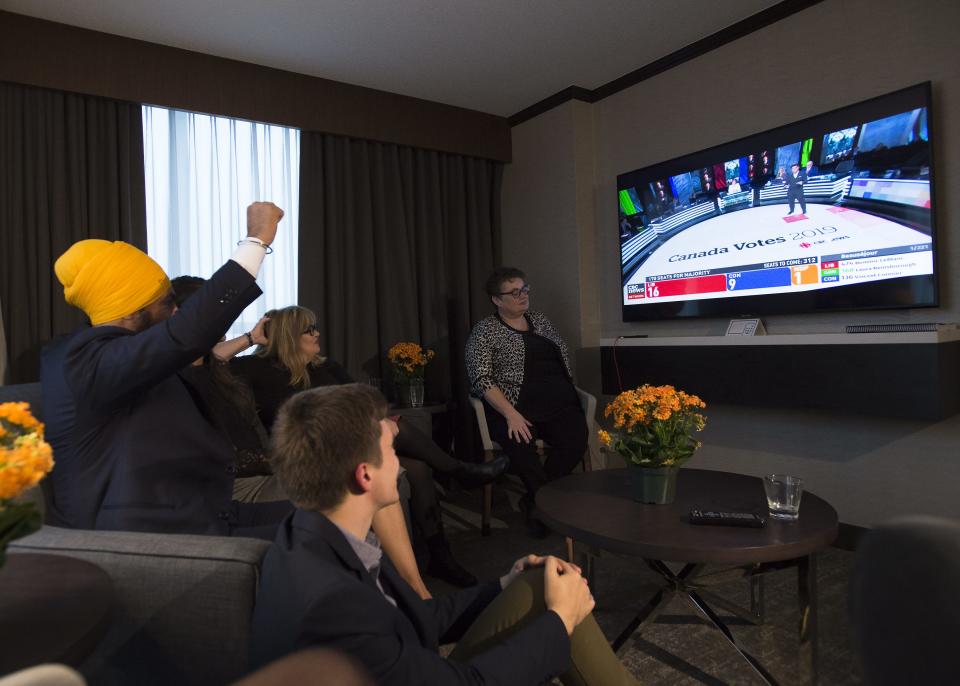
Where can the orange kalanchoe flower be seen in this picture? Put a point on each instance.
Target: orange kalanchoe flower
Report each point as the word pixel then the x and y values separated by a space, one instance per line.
pixel 409 359
pixel 25 457
pixel 654 425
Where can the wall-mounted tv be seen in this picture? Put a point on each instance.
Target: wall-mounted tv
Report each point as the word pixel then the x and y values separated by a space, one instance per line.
pixel 834 212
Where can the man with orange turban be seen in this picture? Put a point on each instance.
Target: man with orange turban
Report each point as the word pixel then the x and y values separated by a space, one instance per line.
pixel 142 454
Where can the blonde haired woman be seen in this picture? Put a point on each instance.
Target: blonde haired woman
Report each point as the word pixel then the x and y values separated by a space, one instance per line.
pixel 291 362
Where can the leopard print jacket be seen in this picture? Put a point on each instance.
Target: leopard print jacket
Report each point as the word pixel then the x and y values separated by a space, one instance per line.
pixel 495 354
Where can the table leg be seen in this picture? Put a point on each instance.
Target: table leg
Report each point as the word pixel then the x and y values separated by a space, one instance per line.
pixel 807 595
pixel 649 612
pixel 656 603
pixel 698 604
pixel 589 570
pixel 756 598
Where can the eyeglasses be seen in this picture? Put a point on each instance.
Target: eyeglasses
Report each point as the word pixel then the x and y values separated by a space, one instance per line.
pixel 312 330
pixel 517 292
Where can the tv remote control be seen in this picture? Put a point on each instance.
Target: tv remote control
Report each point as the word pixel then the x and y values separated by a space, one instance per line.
pixel 713 518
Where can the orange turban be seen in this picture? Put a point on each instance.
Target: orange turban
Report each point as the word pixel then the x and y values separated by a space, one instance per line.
pixel 109 280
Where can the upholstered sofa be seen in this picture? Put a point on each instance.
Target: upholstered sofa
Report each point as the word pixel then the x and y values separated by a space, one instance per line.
pixel 182 603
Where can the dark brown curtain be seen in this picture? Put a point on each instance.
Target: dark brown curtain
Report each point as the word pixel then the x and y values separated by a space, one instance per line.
pixel 395 243
pixel 71 167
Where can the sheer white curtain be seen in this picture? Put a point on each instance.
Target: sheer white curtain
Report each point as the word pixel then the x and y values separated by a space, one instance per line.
pixel 201 173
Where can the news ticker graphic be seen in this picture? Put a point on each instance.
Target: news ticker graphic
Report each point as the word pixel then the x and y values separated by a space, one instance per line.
pixel 809 271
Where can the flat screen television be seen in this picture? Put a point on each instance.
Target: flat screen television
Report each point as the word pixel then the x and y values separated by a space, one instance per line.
pixel 834 212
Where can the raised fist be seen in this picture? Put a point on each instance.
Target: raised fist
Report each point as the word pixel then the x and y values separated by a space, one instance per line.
pixel 262 220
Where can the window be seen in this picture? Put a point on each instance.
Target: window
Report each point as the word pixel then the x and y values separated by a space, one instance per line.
pixel 201 173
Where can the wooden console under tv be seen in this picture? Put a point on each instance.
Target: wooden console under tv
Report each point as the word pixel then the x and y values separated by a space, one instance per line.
pixel 909 375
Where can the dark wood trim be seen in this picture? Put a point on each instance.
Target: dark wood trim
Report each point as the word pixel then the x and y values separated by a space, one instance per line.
pixel 569 93
pixel 849 536
pixel 42 53
pixel 753 23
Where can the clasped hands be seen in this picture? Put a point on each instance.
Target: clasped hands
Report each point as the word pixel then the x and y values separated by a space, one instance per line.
pixel 565 590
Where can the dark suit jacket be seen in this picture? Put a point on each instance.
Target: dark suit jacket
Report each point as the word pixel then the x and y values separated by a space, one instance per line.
pixel 315 591
pixel 59 417
pixel 795 183
pixel 144 455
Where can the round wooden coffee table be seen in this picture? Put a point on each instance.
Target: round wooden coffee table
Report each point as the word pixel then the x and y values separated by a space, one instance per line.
pixel 597 509
pixel 53 608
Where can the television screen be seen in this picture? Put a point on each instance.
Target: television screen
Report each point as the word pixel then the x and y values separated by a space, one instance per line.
pixel 832 212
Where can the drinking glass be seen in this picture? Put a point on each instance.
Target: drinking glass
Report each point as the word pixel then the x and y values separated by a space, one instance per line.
pixel 416 392
pixel 374 381
pixel 783 496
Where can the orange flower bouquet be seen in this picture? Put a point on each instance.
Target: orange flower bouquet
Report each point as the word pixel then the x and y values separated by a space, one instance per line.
pixel 654 425
pixel 25 458
pixel 409 360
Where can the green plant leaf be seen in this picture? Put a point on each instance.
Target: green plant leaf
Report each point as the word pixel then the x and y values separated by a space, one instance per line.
pixel 16 520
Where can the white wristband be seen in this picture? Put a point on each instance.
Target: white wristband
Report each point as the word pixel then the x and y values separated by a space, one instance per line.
pixel 256 241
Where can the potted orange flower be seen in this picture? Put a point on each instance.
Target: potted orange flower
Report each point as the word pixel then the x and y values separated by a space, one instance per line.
pixel 653 432
pixel 409 362
pixel 25 458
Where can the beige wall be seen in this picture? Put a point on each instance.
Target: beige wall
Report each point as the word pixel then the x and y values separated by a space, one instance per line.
pixel 560 221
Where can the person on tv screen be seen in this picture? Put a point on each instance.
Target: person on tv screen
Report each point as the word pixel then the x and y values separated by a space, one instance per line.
pixel 733 186
pixel 664 202
pixel 795 180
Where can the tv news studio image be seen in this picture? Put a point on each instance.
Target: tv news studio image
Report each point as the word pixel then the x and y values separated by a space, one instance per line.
pixel 828 213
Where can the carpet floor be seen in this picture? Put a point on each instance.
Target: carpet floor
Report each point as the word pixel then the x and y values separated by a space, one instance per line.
pixel 680 648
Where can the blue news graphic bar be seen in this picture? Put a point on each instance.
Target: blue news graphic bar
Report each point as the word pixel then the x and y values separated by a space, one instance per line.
pixel 763 278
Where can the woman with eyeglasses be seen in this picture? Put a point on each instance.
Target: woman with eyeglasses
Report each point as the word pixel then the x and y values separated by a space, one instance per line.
pixel 518 364
pixel 291 361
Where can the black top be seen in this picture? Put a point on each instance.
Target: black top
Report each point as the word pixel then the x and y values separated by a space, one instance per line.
pixel 245 433
pixel 270 381
pixel 546 386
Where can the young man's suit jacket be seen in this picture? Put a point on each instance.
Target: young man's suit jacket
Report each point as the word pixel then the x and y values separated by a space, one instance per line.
pixel 314 591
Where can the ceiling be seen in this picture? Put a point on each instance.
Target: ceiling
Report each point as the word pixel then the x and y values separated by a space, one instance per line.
pixel 495 56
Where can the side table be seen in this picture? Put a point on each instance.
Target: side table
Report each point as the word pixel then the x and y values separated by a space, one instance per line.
pixel 421 417
pixel 598 509
pixel 53 608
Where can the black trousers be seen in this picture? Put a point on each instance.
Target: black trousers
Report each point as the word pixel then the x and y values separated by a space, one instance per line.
pixel 794 195
pixel 424 503
pixel 411 442
pixel 565 434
